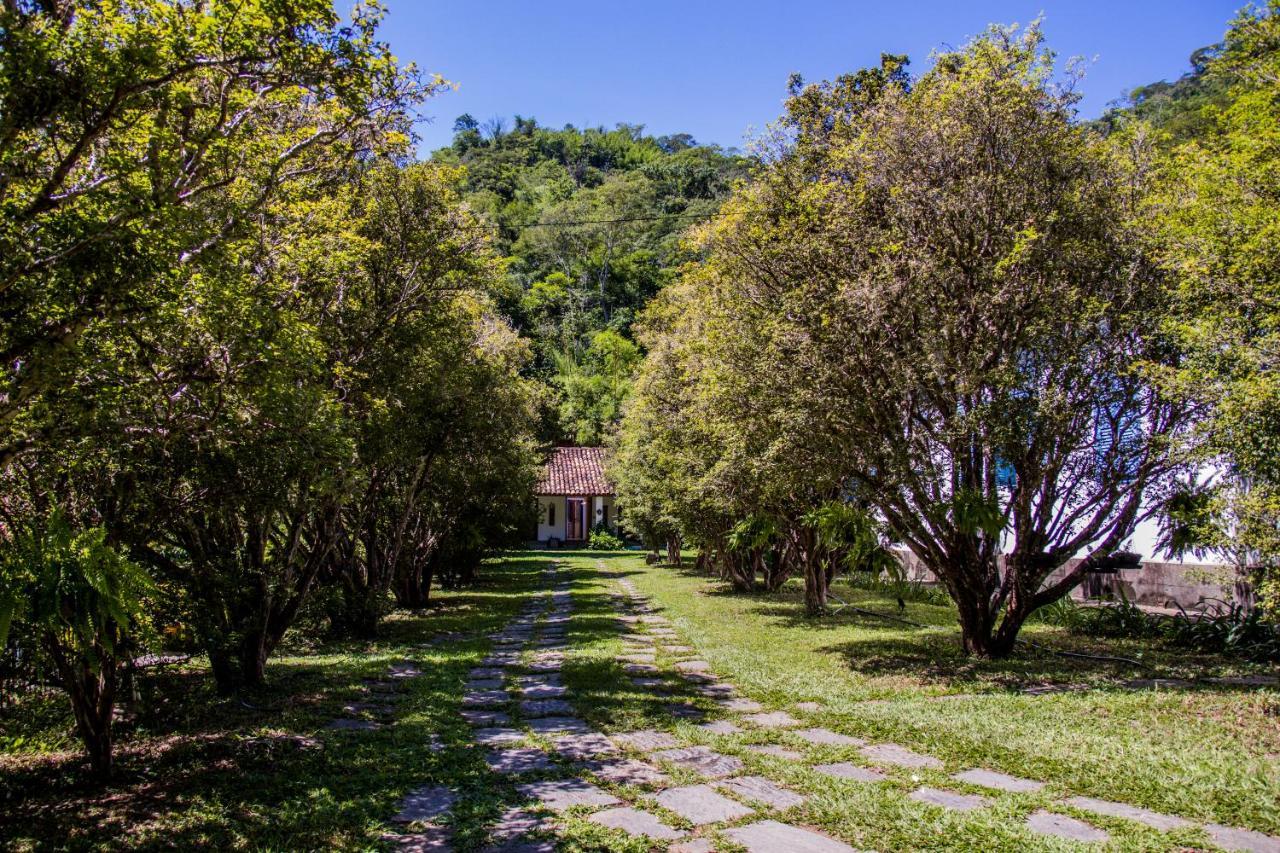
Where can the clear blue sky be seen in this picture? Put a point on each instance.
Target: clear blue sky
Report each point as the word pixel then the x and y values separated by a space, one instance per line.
pixel 716 69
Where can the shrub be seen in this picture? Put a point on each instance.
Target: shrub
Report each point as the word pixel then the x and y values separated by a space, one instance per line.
pixel 603 540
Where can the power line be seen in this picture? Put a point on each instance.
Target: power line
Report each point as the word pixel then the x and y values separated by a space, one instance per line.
pixel 621 220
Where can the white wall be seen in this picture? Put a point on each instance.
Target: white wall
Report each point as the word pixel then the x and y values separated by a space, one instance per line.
pixel 547 531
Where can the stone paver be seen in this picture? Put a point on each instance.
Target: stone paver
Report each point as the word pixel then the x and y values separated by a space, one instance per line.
pixel 487 717
pixel 699 677
pixel 826 737
pixel 1247 840
pixel 484 684
pixel 637 823
pixel 548 725
pixel 545 708
pixel 1048 823
pixel 628 771
pixel 645 740
pixel 699 805
pixel 347 725
pixel 545 691
pixel 693 666
pixel 561 794
pixel 999 781
pixel 516 823
pixel 486 698
pixel 543 666
pixel 949 799
pixel 741 706
pixel 761 790
pixel 1162 822
pixel 892 753
pixel 640 668
pixel 516 761
pixel 431 839
pixel 425 803
pixel 769 836
pixel 582 746
pixel 808 707
pixel 775 751
pixel 846 770
pixel 685 711
pixel 718 690
pixel 702 760
pixel 772 720
pixel 721 727
pixel 497 736
pixel 638 658
pixel 482 672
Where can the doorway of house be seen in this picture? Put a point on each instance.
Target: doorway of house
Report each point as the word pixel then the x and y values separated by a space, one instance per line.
pixel 575 519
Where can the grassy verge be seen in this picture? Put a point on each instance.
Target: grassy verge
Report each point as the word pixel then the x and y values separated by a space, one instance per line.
pixel 198 770
pixel 1210 753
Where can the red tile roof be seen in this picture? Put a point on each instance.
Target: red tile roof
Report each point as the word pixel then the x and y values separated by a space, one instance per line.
pixel 575 471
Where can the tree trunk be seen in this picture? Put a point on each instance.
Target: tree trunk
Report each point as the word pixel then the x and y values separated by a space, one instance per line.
pixel 673 551
pixel 91 690
pixel 977 622
pixel 237 665
pixel 815 587
pixel 253 659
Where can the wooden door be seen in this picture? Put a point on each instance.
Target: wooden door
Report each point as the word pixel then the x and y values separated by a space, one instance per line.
pixel 575 519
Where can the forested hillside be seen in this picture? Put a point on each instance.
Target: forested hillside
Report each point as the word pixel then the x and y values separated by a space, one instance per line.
pixel 590 221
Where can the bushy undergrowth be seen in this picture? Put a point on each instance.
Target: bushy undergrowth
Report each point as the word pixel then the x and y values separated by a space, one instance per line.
pixel 603 540
pixel 1222 627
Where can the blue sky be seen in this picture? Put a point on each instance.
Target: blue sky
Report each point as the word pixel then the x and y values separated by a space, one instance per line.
pixel 717 69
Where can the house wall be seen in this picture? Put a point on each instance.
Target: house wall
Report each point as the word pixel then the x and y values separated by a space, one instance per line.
pixel 598 508
pixel 547 531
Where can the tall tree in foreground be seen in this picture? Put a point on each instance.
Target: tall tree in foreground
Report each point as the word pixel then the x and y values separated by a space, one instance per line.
pixel 138 135
pixel 933 301
pixel 1216 219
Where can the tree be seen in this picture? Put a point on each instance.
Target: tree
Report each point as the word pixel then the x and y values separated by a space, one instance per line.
pixel 82 599
pixel 594 390
pixel 932 304
pixel 1216 223
pixel 137 136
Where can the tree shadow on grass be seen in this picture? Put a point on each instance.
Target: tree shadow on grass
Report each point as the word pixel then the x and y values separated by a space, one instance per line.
pixel 261 769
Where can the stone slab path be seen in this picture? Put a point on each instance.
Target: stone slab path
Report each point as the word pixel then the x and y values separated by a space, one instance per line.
pixel 637 784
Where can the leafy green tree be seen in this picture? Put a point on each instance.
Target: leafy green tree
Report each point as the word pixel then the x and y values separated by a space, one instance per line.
pixel 135 137
pixel 594 390
pixel 591 222
pixel 932 304
pixel 82 599
pixel 1216 223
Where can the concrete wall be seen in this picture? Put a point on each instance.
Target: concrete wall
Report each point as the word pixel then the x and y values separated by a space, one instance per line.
pixel 1170 585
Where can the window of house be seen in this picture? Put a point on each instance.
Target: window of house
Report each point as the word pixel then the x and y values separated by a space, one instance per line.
pixel 604 516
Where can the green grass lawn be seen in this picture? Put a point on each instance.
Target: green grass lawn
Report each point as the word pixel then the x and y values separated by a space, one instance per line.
pixel 197 770
pixel 1209 753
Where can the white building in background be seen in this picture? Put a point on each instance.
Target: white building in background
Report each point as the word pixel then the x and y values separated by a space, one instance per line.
pixel 574 497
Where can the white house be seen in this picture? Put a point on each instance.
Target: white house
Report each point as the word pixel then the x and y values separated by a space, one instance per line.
pixel 574 497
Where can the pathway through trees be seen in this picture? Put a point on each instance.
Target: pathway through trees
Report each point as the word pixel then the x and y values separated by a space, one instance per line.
pixel 654 784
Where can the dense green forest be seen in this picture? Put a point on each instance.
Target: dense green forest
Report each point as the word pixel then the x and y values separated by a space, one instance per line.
pixel 590 222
